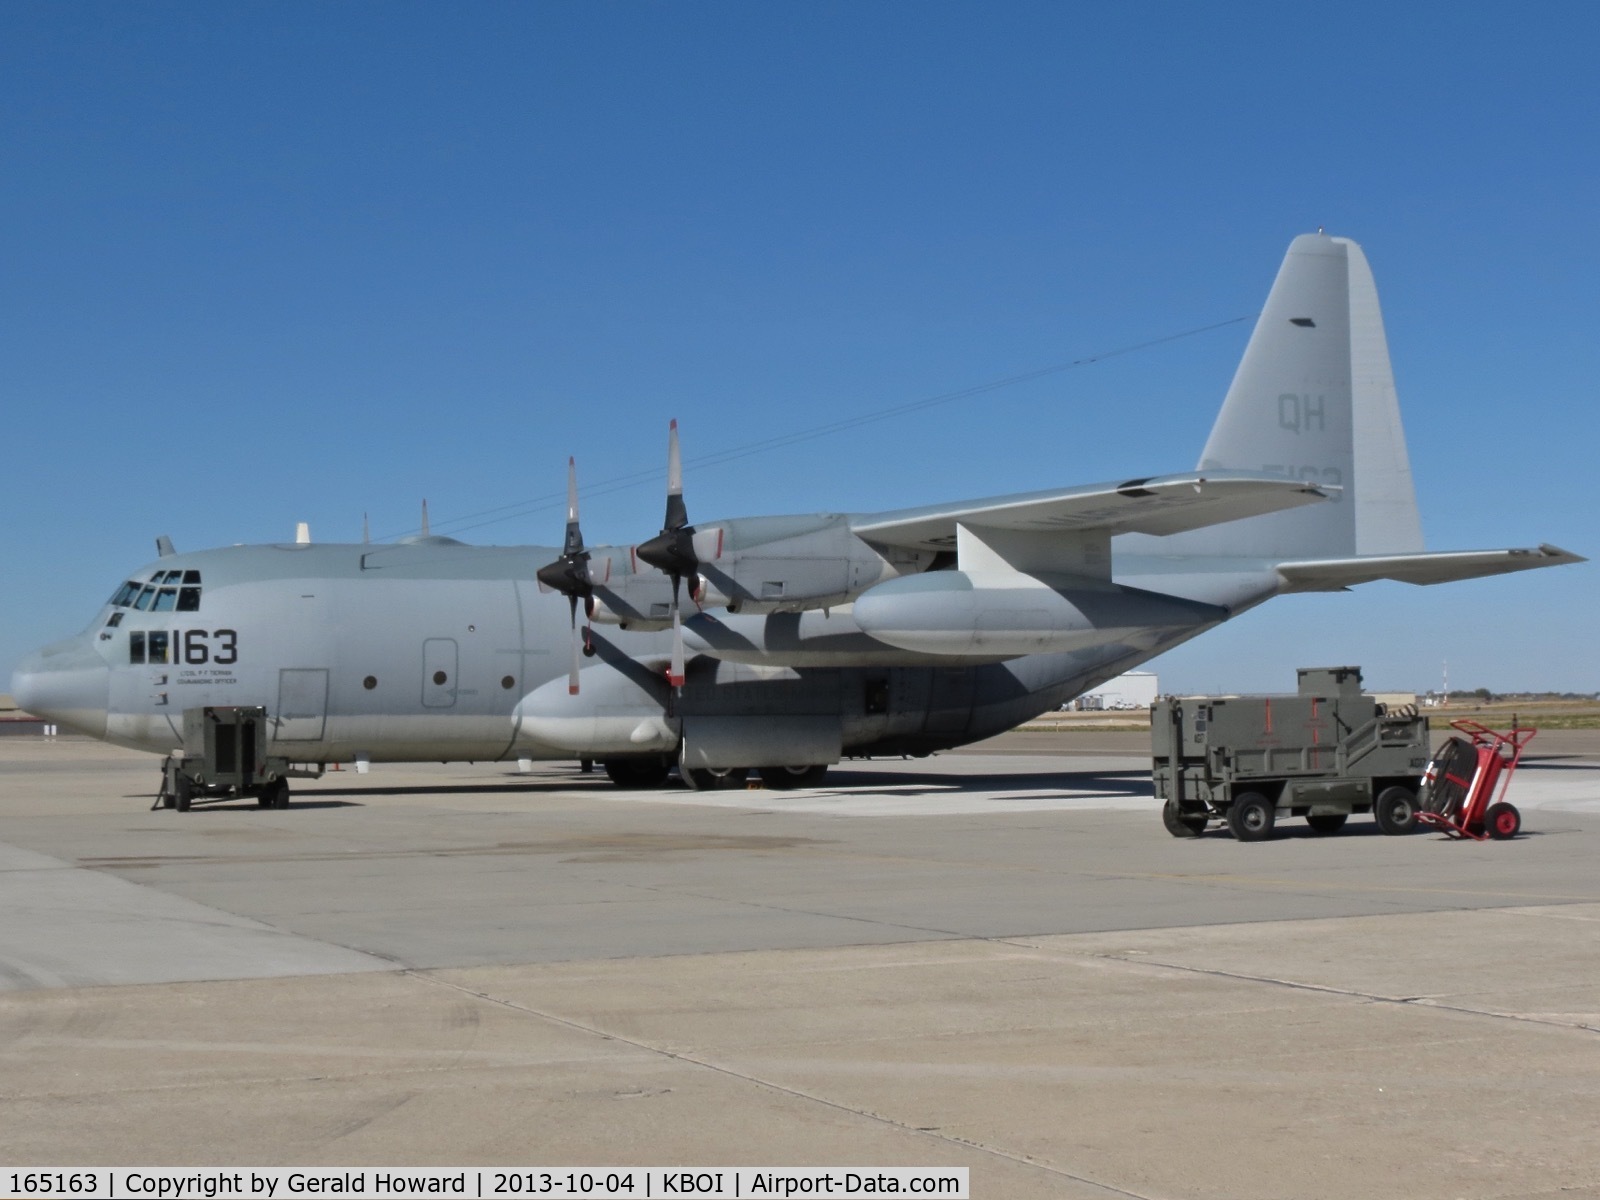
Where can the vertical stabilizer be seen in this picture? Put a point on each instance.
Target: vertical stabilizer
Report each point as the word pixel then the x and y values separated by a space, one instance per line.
pixel 1314 399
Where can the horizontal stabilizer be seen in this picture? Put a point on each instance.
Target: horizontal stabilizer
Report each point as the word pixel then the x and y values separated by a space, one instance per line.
pixel 1160 505
pixel 1443 566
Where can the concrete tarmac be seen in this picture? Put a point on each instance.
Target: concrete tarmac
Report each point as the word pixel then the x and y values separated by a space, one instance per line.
pixel 995 959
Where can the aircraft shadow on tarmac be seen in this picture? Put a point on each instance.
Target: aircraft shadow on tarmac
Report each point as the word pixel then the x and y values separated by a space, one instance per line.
pixel 1087 785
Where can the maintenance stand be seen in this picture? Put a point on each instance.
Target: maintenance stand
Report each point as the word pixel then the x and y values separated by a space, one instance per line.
pixel 1326 752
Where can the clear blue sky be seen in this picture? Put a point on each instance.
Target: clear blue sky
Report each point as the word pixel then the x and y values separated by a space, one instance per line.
pixel 266 263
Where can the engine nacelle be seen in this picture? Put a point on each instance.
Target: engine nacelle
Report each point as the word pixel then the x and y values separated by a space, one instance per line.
pixel 1007 614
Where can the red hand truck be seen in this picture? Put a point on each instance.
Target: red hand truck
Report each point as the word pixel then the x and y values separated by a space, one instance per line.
pixel 1459 783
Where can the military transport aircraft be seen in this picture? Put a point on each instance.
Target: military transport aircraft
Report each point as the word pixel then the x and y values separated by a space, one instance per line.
pixel 783 644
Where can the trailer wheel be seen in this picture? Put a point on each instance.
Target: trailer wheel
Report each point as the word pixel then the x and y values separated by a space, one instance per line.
pixel 1502 821
pixel 1181 824
pixel 1250 816
pixel 1327 822
pixel 182 792
pixel 1395 810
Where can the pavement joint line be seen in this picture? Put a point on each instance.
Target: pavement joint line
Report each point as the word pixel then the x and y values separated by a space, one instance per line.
pixel 1373 997
pixel 795 1093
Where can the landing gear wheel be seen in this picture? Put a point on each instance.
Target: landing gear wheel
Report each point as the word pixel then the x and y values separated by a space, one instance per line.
pixel 783 778
pixel 1327 822
pixel 1396 810
pixel 1250 816
pixel 1502 821
pixel 182 792
pixel 637 774
pixel 711 779
pixel 1181 824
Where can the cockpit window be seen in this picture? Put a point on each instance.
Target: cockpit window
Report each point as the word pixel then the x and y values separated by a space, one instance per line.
pixel 191 577
pixel 156 642
pixel 170 577
pixel 166 598
pixel 125 595
pixel 136 647
pixel 189 598
pixel 142 601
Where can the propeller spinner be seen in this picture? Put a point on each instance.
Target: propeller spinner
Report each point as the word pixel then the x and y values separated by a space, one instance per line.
pixel 569 574
pixel 672 550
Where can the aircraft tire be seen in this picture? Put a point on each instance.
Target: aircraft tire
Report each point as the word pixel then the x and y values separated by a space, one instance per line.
pixel 1251 817
pixel 637 774
pixel 783 778
pixel 1502 821
pixel 1327 823
pixel 705 779
pixel 1395 810
pixel 1181 824
pixel 182 792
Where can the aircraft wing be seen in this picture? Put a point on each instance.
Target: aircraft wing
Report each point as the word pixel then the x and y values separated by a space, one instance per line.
pixel 1159 505
pixel 1442 566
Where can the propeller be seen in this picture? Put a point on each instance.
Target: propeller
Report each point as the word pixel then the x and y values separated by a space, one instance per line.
pixel 569 574
pixel 672 550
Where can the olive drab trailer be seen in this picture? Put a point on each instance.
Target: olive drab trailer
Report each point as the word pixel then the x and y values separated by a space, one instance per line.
pixel 1325 752
pixel 227 752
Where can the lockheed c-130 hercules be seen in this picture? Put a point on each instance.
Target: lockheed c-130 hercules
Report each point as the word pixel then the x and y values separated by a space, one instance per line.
pixel 783 644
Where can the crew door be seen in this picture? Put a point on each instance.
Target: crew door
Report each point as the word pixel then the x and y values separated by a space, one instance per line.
pixel 302 704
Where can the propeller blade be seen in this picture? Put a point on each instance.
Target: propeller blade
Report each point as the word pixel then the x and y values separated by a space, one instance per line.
pixel 675 671
pixel 677 513
pixel 577 649
pixel 573 545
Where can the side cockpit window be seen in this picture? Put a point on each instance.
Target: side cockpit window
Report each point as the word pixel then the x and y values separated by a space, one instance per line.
pixel 189 597
pixel 125 595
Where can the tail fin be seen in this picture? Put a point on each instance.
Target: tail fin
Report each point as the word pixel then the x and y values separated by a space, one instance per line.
pixel 1314 399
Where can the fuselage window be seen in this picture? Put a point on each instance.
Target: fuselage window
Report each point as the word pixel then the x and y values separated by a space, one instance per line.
pixel 142 601
pixel 166 598
pixel 136 647
pixel 125 595
pixel 191 576
pixel 156 642
pixel 189 598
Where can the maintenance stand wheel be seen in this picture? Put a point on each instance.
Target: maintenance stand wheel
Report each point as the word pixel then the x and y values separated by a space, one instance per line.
pixel 182 792
pixel 1250 816
pixel 782 778
pixel 1327 823
pixel 274 794
pixel 1396 810
pixel 1502 821
pixel 1181 824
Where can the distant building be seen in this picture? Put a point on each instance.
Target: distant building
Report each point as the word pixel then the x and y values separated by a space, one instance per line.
pixel 1136 689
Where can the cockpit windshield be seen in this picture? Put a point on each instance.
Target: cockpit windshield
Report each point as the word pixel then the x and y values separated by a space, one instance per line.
pixel 160 593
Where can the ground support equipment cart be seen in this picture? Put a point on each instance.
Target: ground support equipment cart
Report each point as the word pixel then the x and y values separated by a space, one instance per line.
pixel 1326 752
pixel 1459 784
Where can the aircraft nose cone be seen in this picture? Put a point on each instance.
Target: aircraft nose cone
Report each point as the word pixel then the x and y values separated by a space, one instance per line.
pixel 67 683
